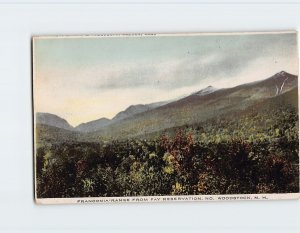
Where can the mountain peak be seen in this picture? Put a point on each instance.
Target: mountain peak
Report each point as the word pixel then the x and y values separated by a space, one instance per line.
pixel 279 83
pixel 133 107
pixel 283 74
pixel 52 120
pixel 205 91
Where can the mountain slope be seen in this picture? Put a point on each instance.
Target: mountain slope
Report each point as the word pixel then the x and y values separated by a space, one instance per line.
pixel 53 134
pixel 52 120
pixel 132 110
pixel 198 108
pixel 136 109
pixel 257 118
pixel 93 125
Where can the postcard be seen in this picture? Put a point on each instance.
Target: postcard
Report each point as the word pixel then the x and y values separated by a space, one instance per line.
pixel 165 117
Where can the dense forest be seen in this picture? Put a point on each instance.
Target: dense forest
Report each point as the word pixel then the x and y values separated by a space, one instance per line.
pixel 254 152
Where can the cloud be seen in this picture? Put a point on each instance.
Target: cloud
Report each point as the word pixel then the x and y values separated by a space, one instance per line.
pixel 222 58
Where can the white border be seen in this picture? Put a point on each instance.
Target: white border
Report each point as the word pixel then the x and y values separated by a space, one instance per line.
pixel 177 198
pixel 148 2
pixel 128 35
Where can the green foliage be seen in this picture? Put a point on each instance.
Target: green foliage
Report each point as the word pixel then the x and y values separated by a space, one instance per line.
pixel 258 153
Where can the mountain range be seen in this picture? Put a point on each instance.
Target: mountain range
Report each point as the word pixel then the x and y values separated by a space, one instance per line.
pixel 199 106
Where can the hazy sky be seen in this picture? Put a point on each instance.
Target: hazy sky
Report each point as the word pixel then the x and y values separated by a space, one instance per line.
pixel 83 79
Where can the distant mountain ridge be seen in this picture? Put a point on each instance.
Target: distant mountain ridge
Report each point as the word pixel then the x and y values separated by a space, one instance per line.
pixel 136 109
pixel 198 108
pixel 52 120
pixel 92 125
pixel 201 105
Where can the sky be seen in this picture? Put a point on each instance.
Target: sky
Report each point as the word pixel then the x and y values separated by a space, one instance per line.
pixel 83 79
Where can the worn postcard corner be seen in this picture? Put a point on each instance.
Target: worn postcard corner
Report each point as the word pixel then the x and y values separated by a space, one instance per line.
pixel 166 117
